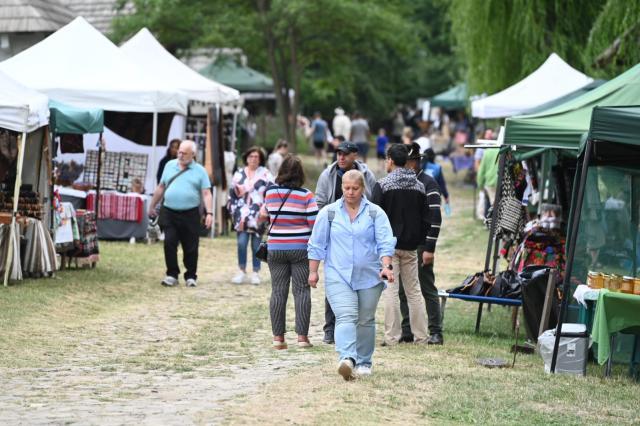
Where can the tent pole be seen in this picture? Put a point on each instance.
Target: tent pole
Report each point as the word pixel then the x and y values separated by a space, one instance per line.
pixel 8 264
pixel 232 148
pixel 98 174
pixel 494 213
pixel 571 246
pixel 154 143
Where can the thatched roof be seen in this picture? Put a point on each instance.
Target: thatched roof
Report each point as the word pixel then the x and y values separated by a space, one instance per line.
pixel 98 13
pixel 33 16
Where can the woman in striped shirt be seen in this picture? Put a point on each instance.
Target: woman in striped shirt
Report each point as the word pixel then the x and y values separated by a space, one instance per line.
pixel 292 211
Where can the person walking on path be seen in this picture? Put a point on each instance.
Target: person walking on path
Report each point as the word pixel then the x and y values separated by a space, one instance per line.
pixel 277 156
pixel 487 178
pixel 328 190
pixel 184 185
pixel 246 198
pixel 319 129
pixel 425 257
pixel 292 211
pixel 404 201
pixel 434 170
pixel 354 239
pixel 341 124
pixel 360 135
pixel 381 147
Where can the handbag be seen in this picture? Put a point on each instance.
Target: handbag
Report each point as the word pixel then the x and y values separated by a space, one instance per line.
pixel 263 250
pixel 162 215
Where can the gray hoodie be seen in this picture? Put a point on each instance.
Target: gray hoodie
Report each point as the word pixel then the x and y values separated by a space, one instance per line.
pixel 325 190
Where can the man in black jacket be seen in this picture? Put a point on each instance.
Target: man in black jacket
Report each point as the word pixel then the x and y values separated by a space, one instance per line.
pixel 425 263
pixel 404 201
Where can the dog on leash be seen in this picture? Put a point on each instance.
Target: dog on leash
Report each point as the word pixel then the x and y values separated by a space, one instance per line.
pixel 153 231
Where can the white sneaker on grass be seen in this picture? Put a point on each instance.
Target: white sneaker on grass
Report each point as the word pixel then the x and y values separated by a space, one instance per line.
pixel 255 278
pixel 363 370
pixel 169 281
pixel 191 283
pixel 238 278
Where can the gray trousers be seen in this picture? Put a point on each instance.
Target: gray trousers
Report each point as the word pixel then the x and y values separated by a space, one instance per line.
pixel 288 266
pixel 431 299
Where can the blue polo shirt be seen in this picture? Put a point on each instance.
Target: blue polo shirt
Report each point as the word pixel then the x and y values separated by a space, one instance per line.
pixel 185 191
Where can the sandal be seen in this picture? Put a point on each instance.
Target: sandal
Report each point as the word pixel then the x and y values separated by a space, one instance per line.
pixel 279 344
pixel 303 342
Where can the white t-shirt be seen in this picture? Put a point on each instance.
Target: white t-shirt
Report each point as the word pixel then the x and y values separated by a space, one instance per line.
pixel 274 162
pixel 424 142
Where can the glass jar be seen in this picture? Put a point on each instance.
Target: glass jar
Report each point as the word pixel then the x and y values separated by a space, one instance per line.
pixel 606 281
pixel 636 286
pixel 626 286
pixel 615 282
pixel 595 280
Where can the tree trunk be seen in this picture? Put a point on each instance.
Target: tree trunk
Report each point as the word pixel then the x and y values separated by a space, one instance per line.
pixel 296 76
pixel 279 75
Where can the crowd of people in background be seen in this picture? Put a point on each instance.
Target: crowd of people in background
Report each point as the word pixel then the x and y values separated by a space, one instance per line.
pixel 375 236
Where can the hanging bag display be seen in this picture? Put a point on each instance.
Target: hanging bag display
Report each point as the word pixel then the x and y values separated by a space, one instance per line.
pixel 263 249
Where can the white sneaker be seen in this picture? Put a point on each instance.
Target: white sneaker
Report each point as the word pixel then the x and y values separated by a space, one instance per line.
pixel 363 370
pixel 255 278
pixel 345 369
pixel 191 283
pixel 169 281
pixel 238 278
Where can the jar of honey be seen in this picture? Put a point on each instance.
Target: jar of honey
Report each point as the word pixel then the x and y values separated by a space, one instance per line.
pixel 595 280
pixel 615 282
pixel 606 281
pixel 636 286
pixel 626 286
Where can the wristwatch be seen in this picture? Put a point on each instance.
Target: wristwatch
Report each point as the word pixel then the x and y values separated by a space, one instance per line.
pixel 389 267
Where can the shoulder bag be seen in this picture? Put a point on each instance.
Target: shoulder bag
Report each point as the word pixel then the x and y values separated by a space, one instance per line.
pixel 263 250
pixel 162 216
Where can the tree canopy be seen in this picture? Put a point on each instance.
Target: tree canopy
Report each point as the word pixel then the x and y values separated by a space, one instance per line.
pixel 361 54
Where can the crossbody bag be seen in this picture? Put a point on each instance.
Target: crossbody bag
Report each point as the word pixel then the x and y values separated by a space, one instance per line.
pixel 263 249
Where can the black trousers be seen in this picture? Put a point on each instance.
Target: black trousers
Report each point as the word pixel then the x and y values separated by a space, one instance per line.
pixel 329 318
pixel 181 227
pixel 431 299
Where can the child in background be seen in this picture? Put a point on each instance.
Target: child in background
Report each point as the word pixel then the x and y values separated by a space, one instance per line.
pixel 381 147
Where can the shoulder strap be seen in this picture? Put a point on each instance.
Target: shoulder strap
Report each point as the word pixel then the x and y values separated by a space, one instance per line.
pixel 278 212
pixel 174 177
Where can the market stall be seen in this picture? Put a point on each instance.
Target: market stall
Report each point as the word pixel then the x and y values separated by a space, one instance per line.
pixel 605 216
pixel 24 144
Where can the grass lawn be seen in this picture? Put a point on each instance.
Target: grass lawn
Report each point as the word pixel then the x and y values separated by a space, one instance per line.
pixel 110 345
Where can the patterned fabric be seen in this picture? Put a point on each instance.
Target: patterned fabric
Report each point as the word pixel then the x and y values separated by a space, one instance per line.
pixel 245 209
pixel 87 245
pixel 113 205
pixel 292 227
pixel 401 178
pixel 286 266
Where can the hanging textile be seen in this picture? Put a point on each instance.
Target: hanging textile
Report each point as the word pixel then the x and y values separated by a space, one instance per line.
pixel 6 238
pixel 71 144
pixel 117 206
pixel 39 255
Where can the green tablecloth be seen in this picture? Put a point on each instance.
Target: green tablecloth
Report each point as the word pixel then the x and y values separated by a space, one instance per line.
pixel 614 312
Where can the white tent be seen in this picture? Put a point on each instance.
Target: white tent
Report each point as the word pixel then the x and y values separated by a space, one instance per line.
pixel 79 66
pixel 552 80
pixel 145 51
pixel 21 109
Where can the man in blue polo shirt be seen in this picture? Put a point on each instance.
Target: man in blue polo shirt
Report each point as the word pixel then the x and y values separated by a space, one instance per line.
pixel 184 184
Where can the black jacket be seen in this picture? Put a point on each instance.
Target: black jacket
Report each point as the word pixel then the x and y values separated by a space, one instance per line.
pixel 404 200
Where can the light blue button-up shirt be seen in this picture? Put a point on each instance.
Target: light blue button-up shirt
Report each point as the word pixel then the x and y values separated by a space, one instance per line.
pixel 352 250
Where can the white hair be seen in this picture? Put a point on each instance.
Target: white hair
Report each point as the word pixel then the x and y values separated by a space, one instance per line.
pixel 192 145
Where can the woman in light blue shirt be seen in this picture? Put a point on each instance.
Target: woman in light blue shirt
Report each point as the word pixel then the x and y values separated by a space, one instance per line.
pixel 354 238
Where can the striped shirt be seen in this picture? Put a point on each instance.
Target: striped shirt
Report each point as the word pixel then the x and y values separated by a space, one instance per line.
pixel 292 227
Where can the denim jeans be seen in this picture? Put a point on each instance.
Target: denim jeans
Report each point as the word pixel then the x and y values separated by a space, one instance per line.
pixel 355 310
pixel 243 241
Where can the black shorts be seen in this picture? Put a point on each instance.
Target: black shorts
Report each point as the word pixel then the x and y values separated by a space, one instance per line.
pixel 382 155
pixel 318 144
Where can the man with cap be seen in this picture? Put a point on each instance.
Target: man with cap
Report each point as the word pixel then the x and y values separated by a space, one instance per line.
pixel 328 190
pixel 425 256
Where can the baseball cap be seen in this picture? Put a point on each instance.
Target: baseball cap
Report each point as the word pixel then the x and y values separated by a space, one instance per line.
pixel 414 151
pixel 347 147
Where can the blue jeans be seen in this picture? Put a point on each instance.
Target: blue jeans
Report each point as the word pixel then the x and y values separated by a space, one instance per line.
pixel 355 310
pixel 243 241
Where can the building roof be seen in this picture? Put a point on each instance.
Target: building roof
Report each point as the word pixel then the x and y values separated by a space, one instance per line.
pixel 33 16
pixel 99 13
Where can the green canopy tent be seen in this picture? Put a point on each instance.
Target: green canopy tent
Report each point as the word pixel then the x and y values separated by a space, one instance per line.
pixel 241 78
pixel 68 119
pixel 605 209
pixel 454 98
